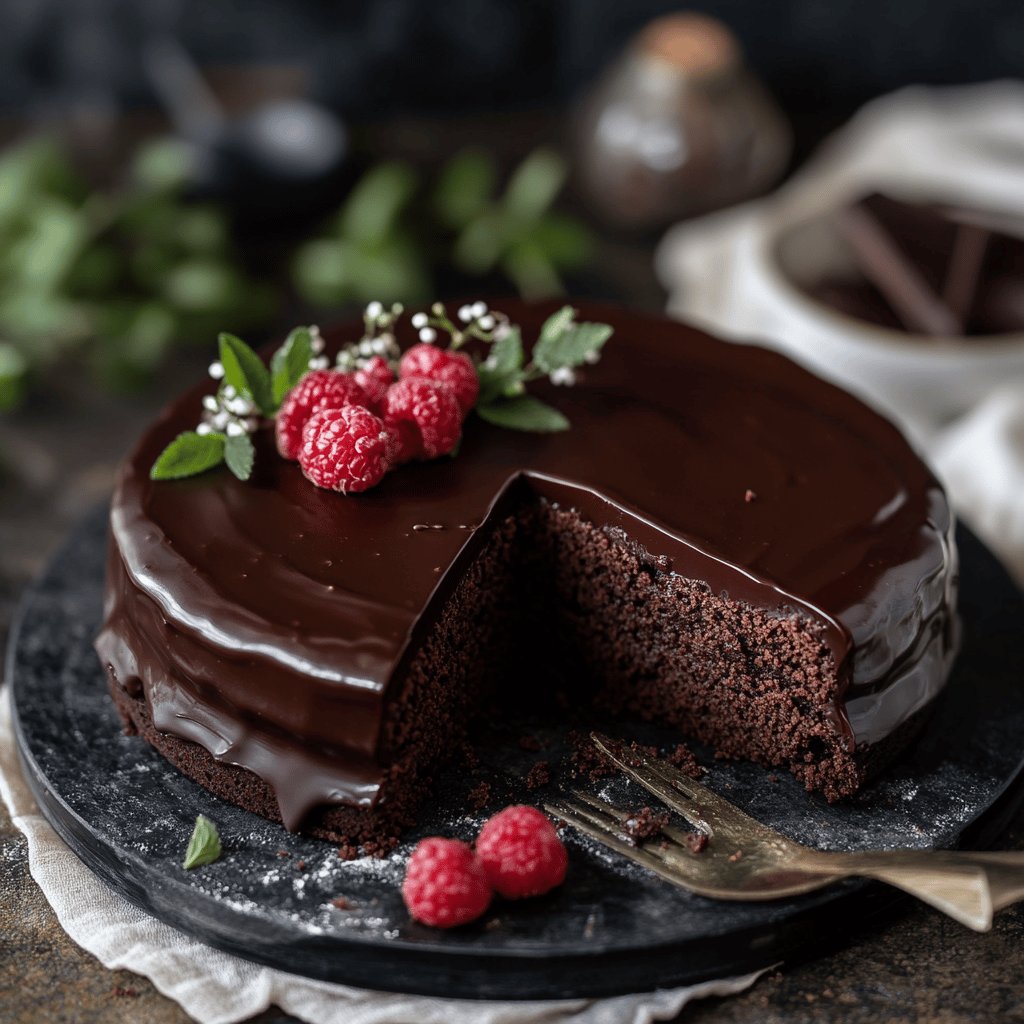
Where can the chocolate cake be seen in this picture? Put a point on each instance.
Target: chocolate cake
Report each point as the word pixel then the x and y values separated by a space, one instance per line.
pixel 721 541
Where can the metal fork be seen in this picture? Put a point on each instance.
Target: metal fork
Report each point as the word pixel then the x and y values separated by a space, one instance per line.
pixel 746 860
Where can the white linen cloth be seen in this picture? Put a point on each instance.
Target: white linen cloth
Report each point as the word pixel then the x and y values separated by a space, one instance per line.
pixel 217 988
pixel 962 403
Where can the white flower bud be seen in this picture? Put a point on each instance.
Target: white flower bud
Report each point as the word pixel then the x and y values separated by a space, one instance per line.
pixel 465 314
pixel 419 320
pixel 428 335
pixel 564 376
pixel 203 429
pixel 216 370
pixel 374 310
pixel 210 402
pixel 229 391
pixel 235 429
pixel 486 322
pixel 478 309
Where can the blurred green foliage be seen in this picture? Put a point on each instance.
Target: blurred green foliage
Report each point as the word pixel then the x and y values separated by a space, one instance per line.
pixel 395 233
pixel 115 278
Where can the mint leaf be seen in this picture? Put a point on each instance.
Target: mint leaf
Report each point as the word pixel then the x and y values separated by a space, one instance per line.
pixel 556 325
pixel 523 413
pixel 572 347
pixel 239 454
pixel 503 367
pixel 245 372
pixel 204 846
pixel 187 455
pixel 534 184
pixel 290 362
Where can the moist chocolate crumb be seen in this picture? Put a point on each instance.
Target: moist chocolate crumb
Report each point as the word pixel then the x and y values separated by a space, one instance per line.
pixel 682 757
pixel 749 496
pixel 348 851
pixel 697 841
pixel 539 775
pixel 342 903
pixel 644 823
pixel 380 847
pixel 301 865
pixel 123 992
pixel 470 756
pixel 283 853
pixel 479 796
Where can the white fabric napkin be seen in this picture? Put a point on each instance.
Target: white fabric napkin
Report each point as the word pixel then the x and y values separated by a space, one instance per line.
pixel 963 404
pixel 216 988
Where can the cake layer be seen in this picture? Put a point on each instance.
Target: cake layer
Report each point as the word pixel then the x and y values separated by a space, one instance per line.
pixel 273 623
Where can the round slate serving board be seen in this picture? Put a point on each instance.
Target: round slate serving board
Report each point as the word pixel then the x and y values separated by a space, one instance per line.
pixel 611 928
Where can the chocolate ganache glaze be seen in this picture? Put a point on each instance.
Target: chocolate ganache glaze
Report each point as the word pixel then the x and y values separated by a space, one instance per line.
pixel 267 620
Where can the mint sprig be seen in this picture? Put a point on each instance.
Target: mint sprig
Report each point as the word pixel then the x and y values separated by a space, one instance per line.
pixel 562 346
pixel 246 373
pixel 188 454
pixel 204 847
pixel 290 362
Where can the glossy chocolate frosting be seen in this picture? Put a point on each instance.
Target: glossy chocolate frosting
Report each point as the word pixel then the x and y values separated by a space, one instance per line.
pixel 267 620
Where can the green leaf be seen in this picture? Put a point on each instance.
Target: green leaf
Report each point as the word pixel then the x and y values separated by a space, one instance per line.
pixel 204 846
pixel 531 270
pixel 535 184
pixel 162 163
pixel 374 205
pixel 564 240
pixel 465 187
pixel 13 372
pixel 239 454
pixel 479 245
pixel 188 455
pixel 322 271
pixel 290 363
pixel 244 371
pixel 570 345
pixel 503 367
pixel 523 413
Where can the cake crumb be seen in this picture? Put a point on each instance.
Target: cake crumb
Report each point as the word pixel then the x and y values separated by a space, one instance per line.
pixel 539 775
pixel 736 856
pixel 479 796
pixel 644 823
pixel 381 846
pixel 342 903
pixel 301 865
pixel 124 992
pixel 283 853
pixel 683 758
pixel 697 841
pixel 749 496
pixel 348 851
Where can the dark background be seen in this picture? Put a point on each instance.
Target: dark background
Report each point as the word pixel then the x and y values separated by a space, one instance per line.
pixel 395 57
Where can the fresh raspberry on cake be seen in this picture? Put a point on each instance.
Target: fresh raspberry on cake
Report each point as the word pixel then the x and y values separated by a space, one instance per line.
pixel 319 389
pixel 375 378
pixel 452 368
pixel 345 449
pixel 521 853
pixel 432 407
pixel 445 884
pixel 406 442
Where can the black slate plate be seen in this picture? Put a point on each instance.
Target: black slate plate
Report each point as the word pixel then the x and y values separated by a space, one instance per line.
pixel 611 928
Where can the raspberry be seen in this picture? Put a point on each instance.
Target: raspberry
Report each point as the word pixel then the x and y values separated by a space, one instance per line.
pixel 432 407
pixel 521 853
pixel 320 389
pixel 375 378
pixel 344 449
pixel 445 884
pixel 452 368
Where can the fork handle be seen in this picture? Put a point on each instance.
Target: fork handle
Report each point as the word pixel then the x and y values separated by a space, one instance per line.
pixel 967 886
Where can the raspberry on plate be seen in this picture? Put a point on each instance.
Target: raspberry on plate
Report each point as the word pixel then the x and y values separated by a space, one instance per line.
pixel 452 368
pixel 319 389
pixel 521 853
pixel 375 378
pixel 345 449
pixel 406 443
pixel 445 884
pixel 432 407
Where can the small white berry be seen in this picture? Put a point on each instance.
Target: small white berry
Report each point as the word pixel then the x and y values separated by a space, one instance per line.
pixel 229 391
pixel 478 309
pixel 486 322
pixel 318 363
pixel 210 403
pixel 564 376
pixel 235 429
pixel 216 370
pixel 220 421
pixel 316 341
pixel 374 310
pixel 203 429
pixel 419 320
pixel 240 406
pixel 380 346
pixel 465 314
pixel 366 348
pixel 428 335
